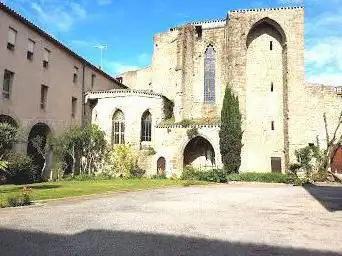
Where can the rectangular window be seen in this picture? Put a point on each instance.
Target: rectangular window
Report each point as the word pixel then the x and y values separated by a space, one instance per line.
pixel 272 87
pixel 43 96
pixel 46 57
pixel 30 49
pixel 12 34
pixel 7 85
pixel 271 45
pixel 276 164
pixel 272 125
pixel 75 78
pixel 73 106
pixel 92 81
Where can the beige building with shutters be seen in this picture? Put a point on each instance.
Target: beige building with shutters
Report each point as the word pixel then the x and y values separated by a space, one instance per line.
pixel 43 82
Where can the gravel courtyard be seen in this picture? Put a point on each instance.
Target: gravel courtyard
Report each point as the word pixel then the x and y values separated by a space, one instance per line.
pixel 233 219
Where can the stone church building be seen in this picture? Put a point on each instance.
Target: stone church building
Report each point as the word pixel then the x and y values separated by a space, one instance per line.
pixel 174 106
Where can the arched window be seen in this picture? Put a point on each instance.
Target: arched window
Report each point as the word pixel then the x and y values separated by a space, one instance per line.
pixel 209 75
pixel 118 128
pixel 146 126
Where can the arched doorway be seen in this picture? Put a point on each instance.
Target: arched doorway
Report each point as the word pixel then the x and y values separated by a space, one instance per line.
pixel 36 147
pixel 199 153
pixel 161 166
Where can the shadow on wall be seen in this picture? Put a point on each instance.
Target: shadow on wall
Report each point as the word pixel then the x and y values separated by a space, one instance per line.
pixel 330 197
pixel 101 242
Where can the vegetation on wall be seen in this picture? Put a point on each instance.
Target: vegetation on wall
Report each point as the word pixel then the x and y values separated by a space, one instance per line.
pixel 192 132
pixel 230 133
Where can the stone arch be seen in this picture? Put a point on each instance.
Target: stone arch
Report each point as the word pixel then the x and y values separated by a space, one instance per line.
pixel 42 130
pixel 269 26
pixel 161 166
pixel 199 152
pixel 266 90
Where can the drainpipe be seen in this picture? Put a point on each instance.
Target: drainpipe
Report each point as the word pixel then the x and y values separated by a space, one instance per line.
pixel 83 94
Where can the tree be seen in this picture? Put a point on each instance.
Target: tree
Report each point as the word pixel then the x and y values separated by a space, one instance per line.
pixel 230 132
pixel 85 145
pixel 332 143
pixel 8 136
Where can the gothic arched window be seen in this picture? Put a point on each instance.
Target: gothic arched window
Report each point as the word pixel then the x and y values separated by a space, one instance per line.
pixel 118 128
pixel 209 75
pixel 146 126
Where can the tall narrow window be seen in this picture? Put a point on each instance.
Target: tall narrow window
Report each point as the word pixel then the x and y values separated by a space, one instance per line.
pixel 73 106
pixel 12 34
pixel 30 49
pixel 46 57
pixel 93 81
pixel 209 75
pixel 271 45
pixel 272 125
pixel 118 128
pixel 43 96
pixel 272 87
pixel 75 77
pixel 146 126
pixel 7 85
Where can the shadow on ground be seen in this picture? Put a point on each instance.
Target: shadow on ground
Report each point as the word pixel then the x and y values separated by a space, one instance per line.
pixel 330 197
pixel 101 242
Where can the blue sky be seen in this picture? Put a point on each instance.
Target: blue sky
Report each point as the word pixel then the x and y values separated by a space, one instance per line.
pixel 127 27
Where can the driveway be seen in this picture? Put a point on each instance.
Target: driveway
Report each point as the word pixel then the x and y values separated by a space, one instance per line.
pixel 252 219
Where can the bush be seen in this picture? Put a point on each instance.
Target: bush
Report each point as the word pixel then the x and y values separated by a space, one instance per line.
pixel 261 177
pixel 319 176
pixel 20 168
pixel 122 161
pixel 214 175
pixel 20 200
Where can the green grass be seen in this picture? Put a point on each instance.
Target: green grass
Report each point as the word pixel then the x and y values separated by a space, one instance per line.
pixel 62 189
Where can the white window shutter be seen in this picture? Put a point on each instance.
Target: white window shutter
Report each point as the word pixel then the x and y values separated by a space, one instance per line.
pixel 30 46
pixel 46 54
pixel 11 36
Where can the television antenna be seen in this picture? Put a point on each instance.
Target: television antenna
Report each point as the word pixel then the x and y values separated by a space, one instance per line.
pixel 101 47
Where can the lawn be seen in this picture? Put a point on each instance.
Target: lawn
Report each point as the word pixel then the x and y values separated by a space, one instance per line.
pixel 62 189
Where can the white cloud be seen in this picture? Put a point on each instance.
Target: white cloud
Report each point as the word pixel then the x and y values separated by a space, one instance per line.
pixel 323 61
pixel 325 53
pixel 334 79
pixel 117 68
pixel 59 15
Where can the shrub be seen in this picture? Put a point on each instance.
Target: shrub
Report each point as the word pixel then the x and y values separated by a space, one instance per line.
pixel 319 176
pixel 122 161
pixel 214 175
pixel 261 177
pixel 20 200
pixel 230 132
pixel 20 168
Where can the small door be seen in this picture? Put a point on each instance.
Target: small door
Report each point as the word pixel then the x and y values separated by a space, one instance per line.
pixel 276 164
pixel 161 164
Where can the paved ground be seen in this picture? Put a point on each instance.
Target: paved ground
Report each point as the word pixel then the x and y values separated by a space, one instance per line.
pixel 213 220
